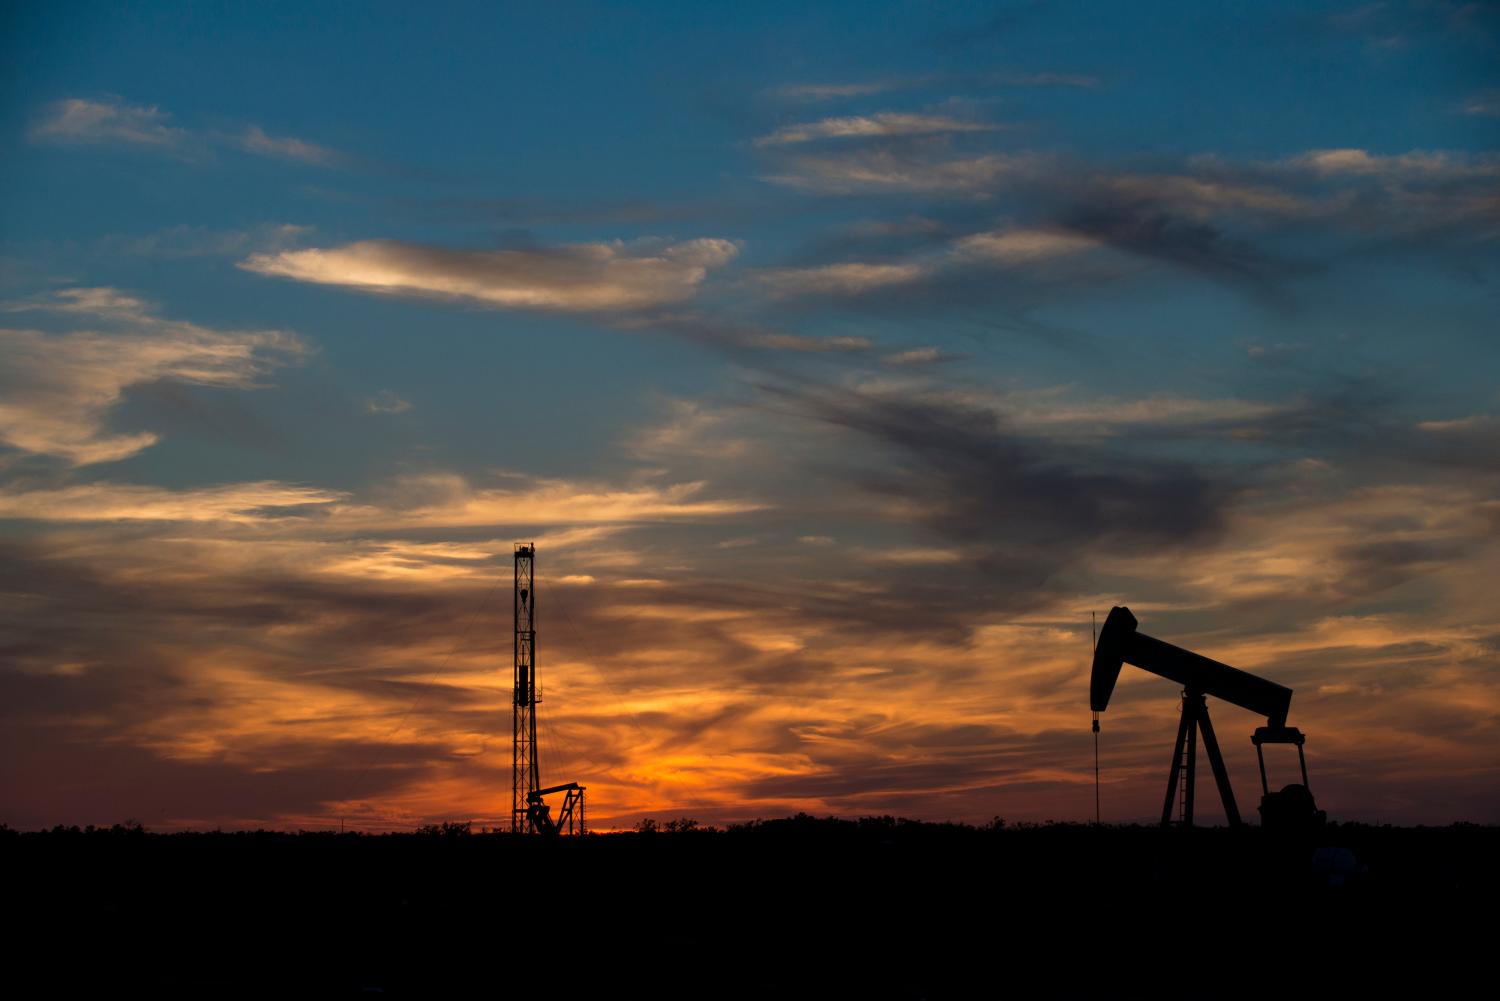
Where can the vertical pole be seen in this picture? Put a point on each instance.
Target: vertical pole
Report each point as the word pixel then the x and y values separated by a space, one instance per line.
pixel 1193 704
pixel 1096 769
pixel 1094 630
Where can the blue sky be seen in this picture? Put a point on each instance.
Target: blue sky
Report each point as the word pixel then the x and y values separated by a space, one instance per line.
pixel 815 346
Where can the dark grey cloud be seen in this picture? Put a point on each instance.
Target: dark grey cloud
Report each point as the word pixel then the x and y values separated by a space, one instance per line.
pixel 1384 563
pixel 1261 226
pixel 1000 25
pixel 985 483
pixel 1396 24
pixel 1148 230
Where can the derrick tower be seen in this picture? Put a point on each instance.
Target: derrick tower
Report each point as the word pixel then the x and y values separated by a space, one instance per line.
pixel 529 813
pixel 525 777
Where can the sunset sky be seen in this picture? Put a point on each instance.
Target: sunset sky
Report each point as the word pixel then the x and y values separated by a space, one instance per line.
pixel 840 360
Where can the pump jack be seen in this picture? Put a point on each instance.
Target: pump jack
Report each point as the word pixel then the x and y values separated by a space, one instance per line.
pixel 539 815
pixel 1120 643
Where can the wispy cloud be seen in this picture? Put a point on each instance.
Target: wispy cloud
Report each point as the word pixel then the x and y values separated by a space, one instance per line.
pixel 255 140
pixel 59 389
pixel 386 402
pixel 737 336
pixel 452 500
pixel 1200 197
pixel 1022 244
pixel 889 170
pixel 1012 247
pixel 884 124
pixel 580 277
pixel 1353 191
pixel 839 279
pixel 107 304
pixel 812 92
pixel 201 241
pixel 1084 81
pixel 1485 104
pixel 689 430
pixel 1415 165
pixel 76 120
pixel 830 91
pixel 412 503
pixel 914 356
pixel 238 502
pixel 111 120
pixel 805 344
pixel 1231 221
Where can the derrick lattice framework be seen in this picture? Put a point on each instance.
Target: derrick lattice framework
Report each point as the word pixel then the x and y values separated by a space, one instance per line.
pixel 529 812
pixel 525 773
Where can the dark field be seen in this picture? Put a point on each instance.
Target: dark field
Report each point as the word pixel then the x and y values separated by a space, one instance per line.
pixel 799 907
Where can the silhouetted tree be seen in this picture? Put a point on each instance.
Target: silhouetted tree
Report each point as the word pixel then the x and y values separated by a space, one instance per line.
pixel 447 829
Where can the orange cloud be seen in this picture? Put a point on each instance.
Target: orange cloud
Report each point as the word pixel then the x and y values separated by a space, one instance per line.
pixel 237 502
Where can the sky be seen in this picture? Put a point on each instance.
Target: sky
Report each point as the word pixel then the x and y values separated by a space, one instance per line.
pixel 841 360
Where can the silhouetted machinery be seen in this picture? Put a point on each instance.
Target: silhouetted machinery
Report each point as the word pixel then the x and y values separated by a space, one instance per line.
pixel 529 813
pixel 1120 643
pixel 539 815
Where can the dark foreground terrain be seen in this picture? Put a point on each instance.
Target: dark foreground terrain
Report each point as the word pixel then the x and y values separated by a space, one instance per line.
pixel 792 908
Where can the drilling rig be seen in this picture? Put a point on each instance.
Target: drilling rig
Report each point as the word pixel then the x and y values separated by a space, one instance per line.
pixel 1121 643
pixel 529 812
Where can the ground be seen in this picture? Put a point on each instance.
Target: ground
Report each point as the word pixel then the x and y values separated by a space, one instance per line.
pixel 799 907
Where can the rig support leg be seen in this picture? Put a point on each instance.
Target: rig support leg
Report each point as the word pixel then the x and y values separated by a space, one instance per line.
pixel 1221 774
pixel 1171 800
